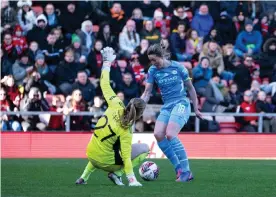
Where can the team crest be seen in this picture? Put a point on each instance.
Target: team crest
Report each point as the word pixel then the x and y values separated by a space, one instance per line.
pixel 174 72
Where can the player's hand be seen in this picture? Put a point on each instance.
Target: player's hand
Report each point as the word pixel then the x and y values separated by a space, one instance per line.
pixel 132 180
pixel 198 114
pixel 135 184
pixel 108 54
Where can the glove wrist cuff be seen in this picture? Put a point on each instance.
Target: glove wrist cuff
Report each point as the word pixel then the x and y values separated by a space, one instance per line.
pixel 131 178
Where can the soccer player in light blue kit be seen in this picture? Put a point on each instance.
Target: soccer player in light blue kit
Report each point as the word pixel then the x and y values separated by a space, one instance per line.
pixel 172 78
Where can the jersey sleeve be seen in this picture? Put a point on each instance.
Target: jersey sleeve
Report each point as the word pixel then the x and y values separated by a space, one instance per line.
pixel 108 93
pixel 150 78
pixel 126 144
pixel 184 73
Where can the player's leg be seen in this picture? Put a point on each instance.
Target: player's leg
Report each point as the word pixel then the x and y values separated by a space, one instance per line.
pixel 138 154
pixel 86 173
pixel 179 117
pixel 162 141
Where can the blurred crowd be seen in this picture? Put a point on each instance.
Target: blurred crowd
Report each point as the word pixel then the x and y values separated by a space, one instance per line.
pixel 51 60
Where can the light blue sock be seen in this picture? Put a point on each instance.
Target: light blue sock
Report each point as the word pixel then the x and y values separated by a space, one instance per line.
pixel 181 154
pixel 166 147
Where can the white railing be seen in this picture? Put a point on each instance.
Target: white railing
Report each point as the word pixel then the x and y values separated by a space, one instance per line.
pixel 154 108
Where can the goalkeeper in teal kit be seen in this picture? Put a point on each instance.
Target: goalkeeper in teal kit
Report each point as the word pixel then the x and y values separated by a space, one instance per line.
pixel 172 79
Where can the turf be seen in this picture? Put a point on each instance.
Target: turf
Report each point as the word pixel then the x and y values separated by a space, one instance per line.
pixel 213 178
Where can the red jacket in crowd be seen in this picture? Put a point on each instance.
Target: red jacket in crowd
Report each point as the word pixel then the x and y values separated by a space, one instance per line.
pixel 249 108
pixel 20 43
pixel 56 121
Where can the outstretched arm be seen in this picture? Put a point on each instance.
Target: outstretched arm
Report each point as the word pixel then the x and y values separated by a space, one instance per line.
pixel 108 93
pixel 146 95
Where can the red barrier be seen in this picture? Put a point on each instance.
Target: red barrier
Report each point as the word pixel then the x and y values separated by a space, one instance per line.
pixel 73 145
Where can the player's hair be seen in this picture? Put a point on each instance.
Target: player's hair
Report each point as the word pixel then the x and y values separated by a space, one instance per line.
pixel 134 110
pixel 159 50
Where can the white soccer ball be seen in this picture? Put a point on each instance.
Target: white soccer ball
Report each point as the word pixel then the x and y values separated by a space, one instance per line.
pixel 149 171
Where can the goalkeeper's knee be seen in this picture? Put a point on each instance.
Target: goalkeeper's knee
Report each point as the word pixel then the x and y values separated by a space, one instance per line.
pixel 138 149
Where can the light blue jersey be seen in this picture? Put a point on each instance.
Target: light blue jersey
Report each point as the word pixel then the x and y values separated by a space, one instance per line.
pixel 170 81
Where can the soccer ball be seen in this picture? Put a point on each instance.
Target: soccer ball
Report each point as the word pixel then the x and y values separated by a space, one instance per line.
pixel 149 171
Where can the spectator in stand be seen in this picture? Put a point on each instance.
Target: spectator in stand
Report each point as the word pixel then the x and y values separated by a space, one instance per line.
pixel 202 73
pixel 40 32
pixel 98 110
pixel 70 20
pixel 21 68
pixel 129 87
pixel 242 74
pixel 272 22
pixel 255 75
pixel 235 95
pixel 229 57
pixel 148 8
pixel 214 53
pixel 8 49
pixel 269 48
pixel 142 54
pixel 137 16
pixel 138 69
pixel 18 40
pixel 76 103
pixel 25 15
pixel 194 44
pixel 107 37
pixel 151 34
pixel 226 28
pixel 60 43
pixel 56 122
pixel 117 19
pixel 122 97
pixel 128 40
pixel 178 43
pixel 269 123
pixel 52 54
pixel 86 87
pixel 202 21
pixel 213 36
pixel 51 15
pixel 6 65
pixel 33 51
pixel 10 87
pixel 249 123
pixel 45 74
pixel 216 100
pixel 66 72
pixel 160 23
pixel 95 60
pixel 7 122
pixel 255 89
pixel 86 35
pixel 179 15
pixel 33 102
pixel 8 16
pixel 239 22
pixel 264 25
pixel 248 41
pixel 81 51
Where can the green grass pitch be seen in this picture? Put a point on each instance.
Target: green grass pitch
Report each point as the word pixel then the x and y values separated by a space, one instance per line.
pixel 213 178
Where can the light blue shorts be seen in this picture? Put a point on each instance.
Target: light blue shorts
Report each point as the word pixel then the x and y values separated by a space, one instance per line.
pixel 177 112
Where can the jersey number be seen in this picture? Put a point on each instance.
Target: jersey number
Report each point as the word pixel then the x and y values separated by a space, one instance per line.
pixel 181 108
pixel 109 136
